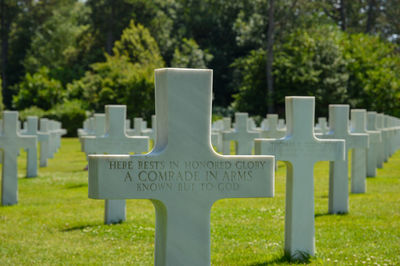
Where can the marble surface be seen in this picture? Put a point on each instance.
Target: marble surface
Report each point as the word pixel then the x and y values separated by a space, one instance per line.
pixel 300 149
pixel 183 176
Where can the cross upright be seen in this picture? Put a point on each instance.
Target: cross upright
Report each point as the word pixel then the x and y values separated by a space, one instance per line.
pixel 394 131
pixel 338 170
pixel 151 132
pixel 10 143
pixel 359 155
pixel 272 131
pixel 54 142
pixel 300 149
pixel 99 126
pixel 281 124
pixel 381 147
pixel 387 131
pixel 226 127
pixel 44 141
pixel 115 141
pixel 243 137
pixel 322 126
pixel 183 176
pixel 32 130
pixel 375 142
pixel 53 137
pixel 137 127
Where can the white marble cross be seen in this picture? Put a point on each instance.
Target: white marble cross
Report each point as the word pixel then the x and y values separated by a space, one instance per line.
pixel 115 141
pixel 151 132
pixel 359 155
pixel 388 135
pixel 44 140
pixel 338 170
pixel 31 157
pixel 10 143
pixel 381 148
pixel 322 126
pixel 226 144
pixel 244 138
pixel 137 127
pixel 281 124
pixel 375 142
pixel 300 149
pixel 183 176
pixel 272 131
pixel 99 126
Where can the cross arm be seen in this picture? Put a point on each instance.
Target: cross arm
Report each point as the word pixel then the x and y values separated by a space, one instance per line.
pixel 28 141
pixel 358 140
pixel 289 150
pixel 160 177
pixel 374 136
pixel 229 135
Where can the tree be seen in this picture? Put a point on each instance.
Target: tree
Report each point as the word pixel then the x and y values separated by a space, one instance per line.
pixel 374 73
pixel 39 90
pixel 9 11
pixel 310 62
pixel 190 55
pixel 55 42
pixel 127 77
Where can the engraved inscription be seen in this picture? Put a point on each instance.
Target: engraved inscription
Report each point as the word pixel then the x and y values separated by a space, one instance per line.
pixel 185 176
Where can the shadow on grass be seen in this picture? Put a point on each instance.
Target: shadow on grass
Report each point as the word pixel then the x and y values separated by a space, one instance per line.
pixel 76 186
pixel 303 258
pixel 80 227
pixel 327 213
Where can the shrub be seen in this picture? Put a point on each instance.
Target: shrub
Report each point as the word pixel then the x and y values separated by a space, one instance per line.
pixel 71 115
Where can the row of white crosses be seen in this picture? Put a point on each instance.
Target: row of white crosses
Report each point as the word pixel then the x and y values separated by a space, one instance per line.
pixel 183 176
pixel 139 128
pixel 12 139
pixel 110 137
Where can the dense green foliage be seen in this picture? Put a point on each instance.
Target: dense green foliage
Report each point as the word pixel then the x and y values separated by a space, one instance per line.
pixel 127 77
pixel 351 57
pixel 71 115
pixel 323 62
pixel 374 69
pixel 55 222
pixel 38 90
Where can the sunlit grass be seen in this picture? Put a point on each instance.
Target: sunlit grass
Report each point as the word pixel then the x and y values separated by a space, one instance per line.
pixel 55 222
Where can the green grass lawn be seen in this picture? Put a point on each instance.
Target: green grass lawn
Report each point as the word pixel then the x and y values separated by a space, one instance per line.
pixel 55 222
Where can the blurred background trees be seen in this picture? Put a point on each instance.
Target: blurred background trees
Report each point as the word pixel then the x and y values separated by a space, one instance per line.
pixel 75 55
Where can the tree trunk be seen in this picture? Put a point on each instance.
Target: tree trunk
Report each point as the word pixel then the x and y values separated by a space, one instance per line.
pixel 270 56
pixel 342 11
pixel 5 29
pixel 110 30
pixel 370 16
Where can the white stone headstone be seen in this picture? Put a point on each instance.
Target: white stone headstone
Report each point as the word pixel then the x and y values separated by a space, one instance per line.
pixel 300 149
pixel 381 148
pixel 226 127
pixel 44 141
pixel 281 124
pixel 359 155
pixel 31 158
pixel 151 132
pixel 183 176
pixel 10 143
pixel 115 141
pixel 376 141
pixel 243 138
pixel 338 170
pixel 322 126
pixel 137 127
pixel 272 131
